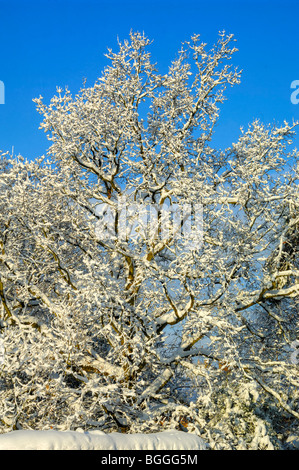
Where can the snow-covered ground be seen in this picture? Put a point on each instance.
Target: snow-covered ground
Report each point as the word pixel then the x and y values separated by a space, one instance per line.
pixel 97 440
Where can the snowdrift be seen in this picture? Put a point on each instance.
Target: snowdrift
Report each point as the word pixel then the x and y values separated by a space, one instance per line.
pixel 98 440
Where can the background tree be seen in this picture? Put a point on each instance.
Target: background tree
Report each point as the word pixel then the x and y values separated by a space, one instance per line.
pixel 138 332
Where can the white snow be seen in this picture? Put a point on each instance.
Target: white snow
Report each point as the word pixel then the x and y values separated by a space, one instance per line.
pixel 98 440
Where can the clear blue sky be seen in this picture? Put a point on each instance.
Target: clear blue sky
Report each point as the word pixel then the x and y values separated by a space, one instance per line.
pixel 49 43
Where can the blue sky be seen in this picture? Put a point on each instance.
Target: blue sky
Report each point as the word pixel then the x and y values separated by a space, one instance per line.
pixel 49 43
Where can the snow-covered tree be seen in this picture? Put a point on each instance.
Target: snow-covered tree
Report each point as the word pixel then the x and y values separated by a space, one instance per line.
pixel 152 328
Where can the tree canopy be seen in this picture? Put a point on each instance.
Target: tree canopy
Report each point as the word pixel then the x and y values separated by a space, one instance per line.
pixel 143 330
